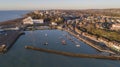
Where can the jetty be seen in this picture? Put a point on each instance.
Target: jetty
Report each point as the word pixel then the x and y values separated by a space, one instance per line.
pixel 8 38
pixel 73 54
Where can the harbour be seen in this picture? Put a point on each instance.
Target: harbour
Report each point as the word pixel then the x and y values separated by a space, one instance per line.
pixel 37 38
pixel 53 39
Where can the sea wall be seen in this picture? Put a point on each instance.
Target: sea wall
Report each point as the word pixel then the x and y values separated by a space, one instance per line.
pixel 115 46
pixel 73 54
pixel 90 42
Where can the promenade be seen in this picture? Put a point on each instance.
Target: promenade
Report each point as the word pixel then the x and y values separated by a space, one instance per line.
pixel 90 42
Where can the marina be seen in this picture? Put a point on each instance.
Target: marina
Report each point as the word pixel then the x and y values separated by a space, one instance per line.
pixel 37 38
pixel 53 48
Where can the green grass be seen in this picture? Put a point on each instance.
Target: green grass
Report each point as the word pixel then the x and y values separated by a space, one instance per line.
pixel 111 35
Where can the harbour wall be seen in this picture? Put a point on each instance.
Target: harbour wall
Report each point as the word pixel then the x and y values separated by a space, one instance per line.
pixel 73 54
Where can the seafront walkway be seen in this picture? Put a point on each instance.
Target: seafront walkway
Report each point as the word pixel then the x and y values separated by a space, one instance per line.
pixel 89 41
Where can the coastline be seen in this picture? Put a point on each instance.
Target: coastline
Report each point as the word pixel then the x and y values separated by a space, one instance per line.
pixel 90 42
pixel 82 38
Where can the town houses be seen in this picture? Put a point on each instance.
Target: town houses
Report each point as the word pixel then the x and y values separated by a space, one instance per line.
pixel 81 18
pixel 83 21
pixel 115 27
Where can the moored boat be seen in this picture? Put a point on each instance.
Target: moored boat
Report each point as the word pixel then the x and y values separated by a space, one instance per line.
pixel 63 42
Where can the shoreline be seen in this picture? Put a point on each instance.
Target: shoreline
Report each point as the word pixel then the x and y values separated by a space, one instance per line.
pixel 13 21
pixel 89 43
pixel 81 37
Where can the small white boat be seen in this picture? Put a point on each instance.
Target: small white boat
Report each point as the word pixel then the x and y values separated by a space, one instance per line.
pixel 77 45
pixel 46 43
pixel 46 35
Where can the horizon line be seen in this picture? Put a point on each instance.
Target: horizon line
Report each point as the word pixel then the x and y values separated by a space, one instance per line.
pixel 57 9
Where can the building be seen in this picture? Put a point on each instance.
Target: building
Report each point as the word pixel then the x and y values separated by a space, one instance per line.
pixel 38 21
pixel 53 23
pixel 118 20
pixel 28 21
pixel 37 12
pixel 115 27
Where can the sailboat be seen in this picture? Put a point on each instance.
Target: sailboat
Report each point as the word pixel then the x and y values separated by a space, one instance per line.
pixel 46 43
pixel 77 45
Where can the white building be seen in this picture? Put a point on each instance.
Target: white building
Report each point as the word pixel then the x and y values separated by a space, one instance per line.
pixel 53 23
pixel 36 11
pixel 28 20
pixel 31 21
pixel 115 27
pixel 38 21
pixel 118 20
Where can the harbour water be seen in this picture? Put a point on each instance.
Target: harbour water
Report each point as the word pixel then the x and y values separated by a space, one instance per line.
pixel 18 56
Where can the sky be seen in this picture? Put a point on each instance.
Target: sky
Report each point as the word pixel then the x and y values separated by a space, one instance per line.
pixel 57 4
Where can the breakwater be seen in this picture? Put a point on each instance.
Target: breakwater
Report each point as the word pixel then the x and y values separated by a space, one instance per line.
pixel 73 54
pixel 8 38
